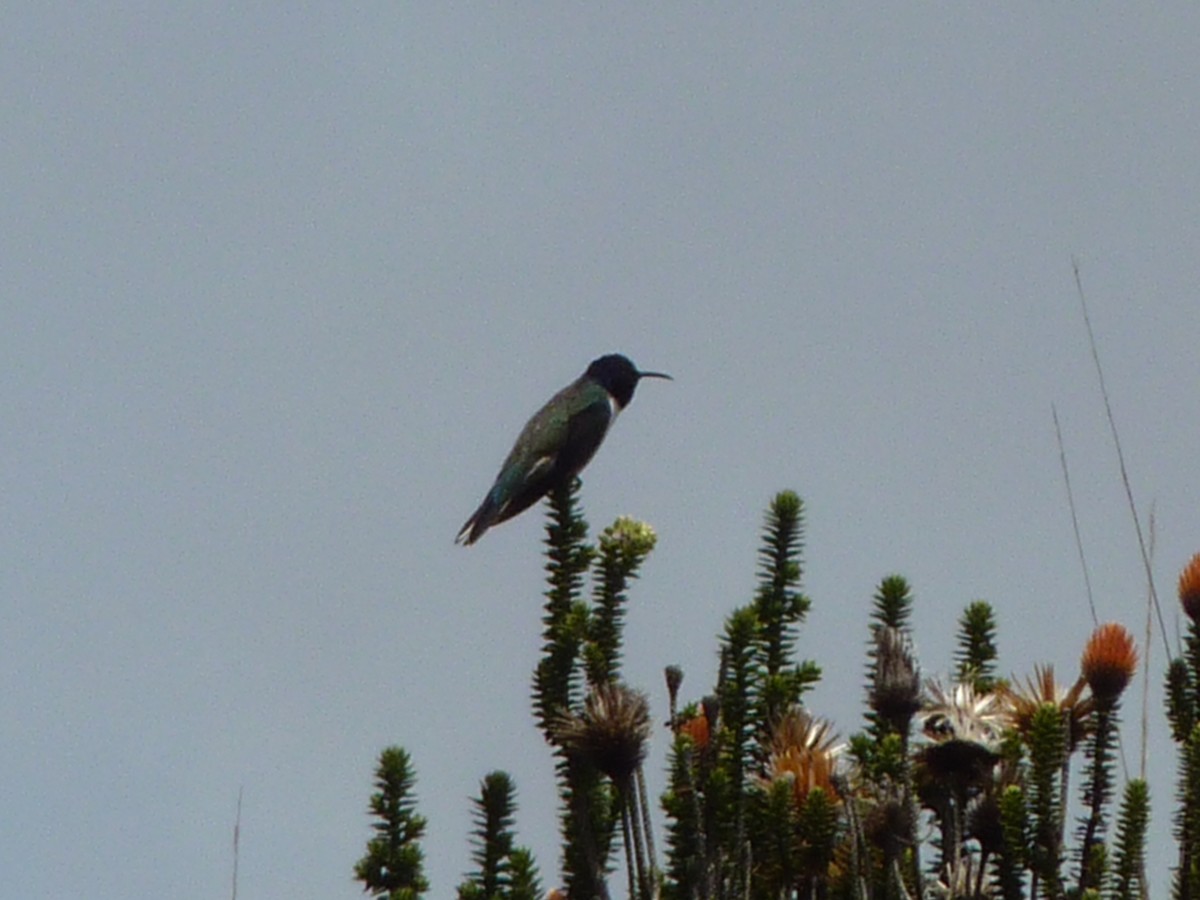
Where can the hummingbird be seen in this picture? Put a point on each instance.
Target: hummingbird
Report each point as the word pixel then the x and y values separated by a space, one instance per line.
pixel 557 442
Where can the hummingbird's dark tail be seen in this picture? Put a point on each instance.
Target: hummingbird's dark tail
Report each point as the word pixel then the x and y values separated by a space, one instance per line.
pixel 481 520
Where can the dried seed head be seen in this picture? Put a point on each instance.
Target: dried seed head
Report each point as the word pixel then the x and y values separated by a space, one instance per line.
pixel 610 732
pixel 896 687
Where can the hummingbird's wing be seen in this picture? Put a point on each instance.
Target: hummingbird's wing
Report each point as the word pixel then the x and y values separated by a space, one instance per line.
pixel 552 448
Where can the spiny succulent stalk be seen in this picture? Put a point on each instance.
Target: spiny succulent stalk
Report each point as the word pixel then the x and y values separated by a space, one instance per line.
pixel 393 864
pixel 1013 856
pixel 1047 750
pixel 976 653
pixel 503 869
pixel 623 546
pixel 568 555
pixel 1129 859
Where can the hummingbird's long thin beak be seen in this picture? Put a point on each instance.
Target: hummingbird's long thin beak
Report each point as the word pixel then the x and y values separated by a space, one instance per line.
pixel 655 375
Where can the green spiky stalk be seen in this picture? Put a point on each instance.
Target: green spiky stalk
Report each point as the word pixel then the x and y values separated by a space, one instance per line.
pixel 893 697
pixel 588 807
pixel 565 622
pixel 976 655
pixel 774 814
pixel 1047 748
pixel 1183 711
pixel 1179 691
pixel 624 546
pixel 1187 822
pixel 1129 859
pixel 393 864
pixel 685 824
pixel 493 838
pixel 893 603
pixel 779 605
pixel 1097 793
pixel 817 827
pixel 738 694
pixel 1014 827
pixel 504 871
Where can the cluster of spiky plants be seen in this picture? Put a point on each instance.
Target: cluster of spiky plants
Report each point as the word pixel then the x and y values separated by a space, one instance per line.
pixel 393 866
pixel 957 789
pixel 503 871
pixel 989 774
pixel 953 789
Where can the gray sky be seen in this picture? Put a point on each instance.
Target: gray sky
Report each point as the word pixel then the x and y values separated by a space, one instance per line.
pixel 278 290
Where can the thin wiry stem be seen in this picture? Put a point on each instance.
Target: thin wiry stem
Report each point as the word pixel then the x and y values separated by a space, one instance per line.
pixel 1087 581
pixel 631 809
pixel 645 810
pixel 1112 424
pixel 237 833
pixel 1146 665
pixel 625 828
pixel 1062 458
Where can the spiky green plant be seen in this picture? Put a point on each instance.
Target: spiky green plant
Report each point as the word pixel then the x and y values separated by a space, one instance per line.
pixel 818 826
pixel 1011 860
pixel 737 691
pixel 393 865
pixel 624 546
pixel 1047 748
pixel 1129 857
pixel 975 657
pixel 760 806
pixel 780 606
pixel 502 869
pixel 588 803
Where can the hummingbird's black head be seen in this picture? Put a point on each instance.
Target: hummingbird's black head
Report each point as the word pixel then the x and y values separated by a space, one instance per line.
pixel 617 375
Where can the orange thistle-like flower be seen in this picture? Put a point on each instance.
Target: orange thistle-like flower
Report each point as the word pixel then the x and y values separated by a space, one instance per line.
pixel 803 751
pixel 1021 703
pixel 1109 661
pixel 695 728
pixel 1189 588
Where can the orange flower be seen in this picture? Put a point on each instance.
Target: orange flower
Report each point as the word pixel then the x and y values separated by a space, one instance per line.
pixel 803 751
pixel 1189 588
pixel 1109 661
pixel 696 728
pixel 1021 703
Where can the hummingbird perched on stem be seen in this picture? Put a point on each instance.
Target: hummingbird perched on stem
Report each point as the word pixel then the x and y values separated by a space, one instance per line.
pixel 558 441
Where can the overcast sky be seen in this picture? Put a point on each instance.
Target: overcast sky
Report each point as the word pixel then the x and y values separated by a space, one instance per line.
pixel 278 288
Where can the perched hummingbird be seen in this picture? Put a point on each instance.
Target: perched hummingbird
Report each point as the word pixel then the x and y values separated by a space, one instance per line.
pixel 557 442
